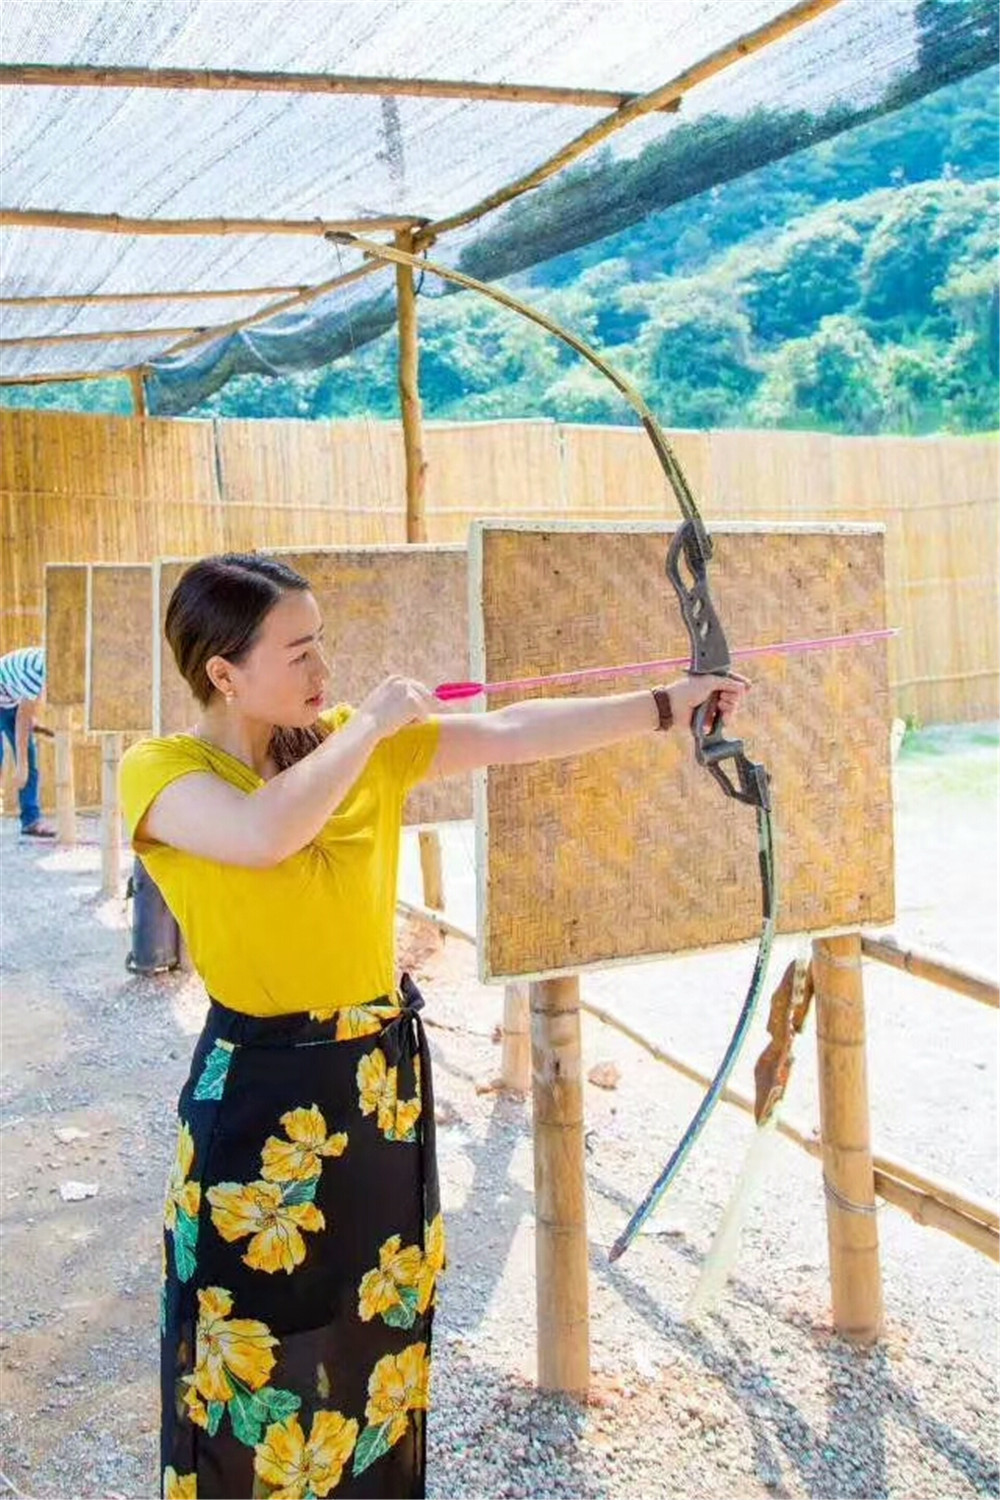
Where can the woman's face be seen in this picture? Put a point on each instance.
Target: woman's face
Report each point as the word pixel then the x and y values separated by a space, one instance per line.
pixel 283 678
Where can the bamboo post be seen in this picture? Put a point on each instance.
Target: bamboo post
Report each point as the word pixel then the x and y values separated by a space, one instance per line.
pixel 515 1056
pixel 561 1288
pixel 416 517
pixel 65 781
pixel 138 383
pixel 430 868
pixel 111 841
pixel 848 1175
pixel 409 394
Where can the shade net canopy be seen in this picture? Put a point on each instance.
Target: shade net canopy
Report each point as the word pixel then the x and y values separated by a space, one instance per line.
pixel 180 213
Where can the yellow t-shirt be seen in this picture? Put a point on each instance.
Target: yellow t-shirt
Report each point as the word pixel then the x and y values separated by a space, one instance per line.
pixel 314 933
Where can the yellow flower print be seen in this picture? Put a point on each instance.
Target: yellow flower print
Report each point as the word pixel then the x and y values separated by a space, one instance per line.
pixel 390 1289
pixel 398 1385
pixel 179 1486
pixel 354 1021
pixel 196 1409
pixel 433 1263
pixel 378 1086
pixel 298 1158
pixel 305 1466
pixel 408 1110
pixel 228 1346
pixel 182 1194
pixel 259 1209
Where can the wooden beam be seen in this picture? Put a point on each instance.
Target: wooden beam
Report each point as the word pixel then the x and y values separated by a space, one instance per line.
pixel 95 299
pixel 53 218
pixel 225 80
pixel 661 98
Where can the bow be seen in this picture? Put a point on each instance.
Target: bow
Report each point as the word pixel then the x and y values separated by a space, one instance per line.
pixel 687 569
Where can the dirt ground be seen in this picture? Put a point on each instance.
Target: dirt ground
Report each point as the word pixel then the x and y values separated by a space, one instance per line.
pixel 762 1401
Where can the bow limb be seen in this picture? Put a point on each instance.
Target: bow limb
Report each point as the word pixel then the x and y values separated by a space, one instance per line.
pixel 687 559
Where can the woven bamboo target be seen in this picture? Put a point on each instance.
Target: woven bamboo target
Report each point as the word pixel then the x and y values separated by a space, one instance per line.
pixel 65 635
pixel 633 852
pixel 394 609
pixel 119 648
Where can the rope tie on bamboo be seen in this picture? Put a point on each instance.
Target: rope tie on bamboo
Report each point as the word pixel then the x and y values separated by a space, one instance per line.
pixel 847 1204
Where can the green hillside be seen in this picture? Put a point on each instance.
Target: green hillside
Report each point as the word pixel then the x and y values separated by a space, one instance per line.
pixel 851 287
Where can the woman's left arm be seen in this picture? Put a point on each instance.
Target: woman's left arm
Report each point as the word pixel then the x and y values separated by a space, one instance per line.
pixel 549 728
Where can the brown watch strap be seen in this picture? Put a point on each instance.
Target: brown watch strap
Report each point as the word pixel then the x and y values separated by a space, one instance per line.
pixel 661 697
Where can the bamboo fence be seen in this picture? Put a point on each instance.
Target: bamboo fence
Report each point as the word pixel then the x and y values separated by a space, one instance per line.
pixel 81 488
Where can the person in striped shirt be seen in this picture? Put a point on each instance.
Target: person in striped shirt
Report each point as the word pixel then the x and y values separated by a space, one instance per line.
pixel 22 683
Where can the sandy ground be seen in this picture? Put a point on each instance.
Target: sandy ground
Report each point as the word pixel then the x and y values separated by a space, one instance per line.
pixel 762 1400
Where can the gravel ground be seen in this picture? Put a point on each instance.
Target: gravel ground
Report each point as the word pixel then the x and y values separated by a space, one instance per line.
pixel 762 1400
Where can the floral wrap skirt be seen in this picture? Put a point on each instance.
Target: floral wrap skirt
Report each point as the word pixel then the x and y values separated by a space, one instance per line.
pixel 302 1245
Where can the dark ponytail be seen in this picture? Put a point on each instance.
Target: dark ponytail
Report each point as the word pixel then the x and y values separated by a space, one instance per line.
pixel 217 609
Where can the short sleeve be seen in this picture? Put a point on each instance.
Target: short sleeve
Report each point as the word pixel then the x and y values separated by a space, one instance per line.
pixel 146 769
pixel 409 752
pixel 406 756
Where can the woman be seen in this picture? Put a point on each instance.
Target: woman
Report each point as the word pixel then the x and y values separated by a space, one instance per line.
pixel 303 1234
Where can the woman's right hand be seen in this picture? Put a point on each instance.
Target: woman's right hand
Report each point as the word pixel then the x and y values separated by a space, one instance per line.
pixel 398 701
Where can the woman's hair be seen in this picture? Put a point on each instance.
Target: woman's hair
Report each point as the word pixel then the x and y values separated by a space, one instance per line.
pixel 217 609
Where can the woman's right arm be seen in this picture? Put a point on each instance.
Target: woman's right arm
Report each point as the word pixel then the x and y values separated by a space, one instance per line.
pixel 204 815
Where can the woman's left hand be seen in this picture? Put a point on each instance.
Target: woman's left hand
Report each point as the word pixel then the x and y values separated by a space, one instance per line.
pixel 688 693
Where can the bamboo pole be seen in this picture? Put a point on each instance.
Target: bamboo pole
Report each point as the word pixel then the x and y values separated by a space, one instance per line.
pixel 924 1209
pixel 298 299
pixel 101 299
pixel 561 1288
pixel 936 970
pixel 49 75
pixel 416 518
pixel 94 336
pixel 660 98
pixel 111 815
pixel 138 384
pixel 885 1168
pixel 940 1205
pixel 65 784
pixel 515 1051
pixel 56 218
pixel 409 395
pixel 56 376
pixel 430 868
pixel 852 1227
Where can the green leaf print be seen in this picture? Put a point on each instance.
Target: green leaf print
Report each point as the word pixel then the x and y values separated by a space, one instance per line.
pixel 213 1413
pixel 280 1404
pixel 251 1411
pixel 300 1192
pixel 247 1416
pixel 185 1243
pixel 403 1313
pixel 213 1075
pixel 370 1445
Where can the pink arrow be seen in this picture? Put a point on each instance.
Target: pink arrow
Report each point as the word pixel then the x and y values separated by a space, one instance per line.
pixel 454 692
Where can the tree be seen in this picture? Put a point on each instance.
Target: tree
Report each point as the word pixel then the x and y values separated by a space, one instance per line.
pixel 830 381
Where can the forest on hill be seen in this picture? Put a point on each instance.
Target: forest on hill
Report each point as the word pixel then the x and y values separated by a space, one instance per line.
pixel 850 287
